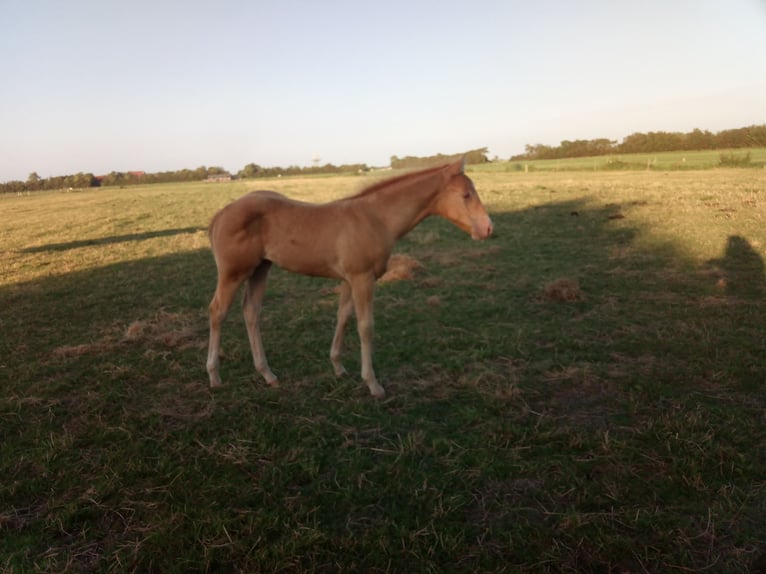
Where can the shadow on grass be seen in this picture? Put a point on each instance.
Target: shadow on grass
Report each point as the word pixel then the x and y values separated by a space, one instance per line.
pixel 741 270
pixel 110 240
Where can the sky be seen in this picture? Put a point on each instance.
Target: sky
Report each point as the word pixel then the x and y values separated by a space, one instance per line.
pixel 108 85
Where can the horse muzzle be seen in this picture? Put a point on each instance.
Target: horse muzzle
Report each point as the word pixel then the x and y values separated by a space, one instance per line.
pixel 482 230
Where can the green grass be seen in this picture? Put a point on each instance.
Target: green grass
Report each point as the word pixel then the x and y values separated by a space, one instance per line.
pixel 619 430
pixel 680 160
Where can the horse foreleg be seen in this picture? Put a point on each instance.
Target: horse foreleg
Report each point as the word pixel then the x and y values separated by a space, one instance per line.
pixel 219 307
pixel 345 308
pixel 251 308
pixel 362 290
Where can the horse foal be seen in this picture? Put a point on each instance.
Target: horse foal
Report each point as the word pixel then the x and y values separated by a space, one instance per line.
pixel 349 239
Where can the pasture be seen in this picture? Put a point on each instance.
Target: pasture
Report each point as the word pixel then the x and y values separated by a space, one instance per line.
pixel 586 392
pixel 657 161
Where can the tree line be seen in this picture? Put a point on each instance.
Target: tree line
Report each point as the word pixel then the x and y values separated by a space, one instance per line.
pixel 122 179
pixel 252 170
pixel 412 162
pixel 115 178
pixel 650 142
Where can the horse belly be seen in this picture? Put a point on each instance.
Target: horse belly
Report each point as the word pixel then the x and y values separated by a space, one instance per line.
pixel 303 253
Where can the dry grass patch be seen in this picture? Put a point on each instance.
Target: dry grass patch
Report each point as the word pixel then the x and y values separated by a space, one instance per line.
pixel 401 268
pixel 67 351
pixel 165 330
pixel 173 330
pixel 188 408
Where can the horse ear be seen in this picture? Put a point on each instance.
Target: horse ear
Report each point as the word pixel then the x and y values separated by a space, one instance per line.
pixel 458 166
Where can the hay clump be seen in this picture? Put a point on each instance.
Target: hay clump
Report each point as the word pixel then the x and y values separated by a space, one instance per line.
pixel 135 331
pixel 166 329
pixel 400 268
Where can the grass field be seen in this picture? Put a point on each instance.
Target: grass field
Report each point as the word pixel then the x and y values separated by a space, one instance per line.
pixel 677 160
pixel 586 392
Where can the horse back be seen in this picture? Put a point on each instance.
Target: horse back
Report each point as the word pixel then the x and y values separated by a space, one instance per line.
pixel 333 239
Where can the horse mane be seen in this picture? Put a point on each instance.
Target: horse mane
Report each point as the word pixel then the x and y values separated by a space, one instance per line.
pixel 391 181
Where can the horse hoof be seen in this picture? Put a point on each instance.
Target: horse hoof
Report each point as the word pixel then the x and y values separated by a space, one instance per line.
pixel 377 391
pixel 273 384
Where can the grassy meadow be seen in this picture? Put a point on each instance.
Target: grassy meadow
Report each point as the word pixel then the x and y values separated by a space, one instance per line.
pixel 676 160
pixel 585 392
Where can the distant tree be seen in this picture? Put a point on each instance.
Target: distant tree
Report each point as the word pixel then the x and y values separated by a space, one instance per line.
pixel 536 151
pixel 34 182
pixel 751 136
pixel 697 140
pixel 82 180
pixel 14 186
pixel 602 146
pixel 113 178
pixel 634 143
pixel 414 162
pixel 477 156
pixel 756 136
pixel 650 142
pixel 55 182
pixel 250 170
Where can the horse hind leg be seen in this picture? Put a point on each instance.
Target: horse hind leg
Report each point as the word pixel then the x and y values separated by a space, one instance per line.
pixel 251 309
pixel 345 308
pixel 219 307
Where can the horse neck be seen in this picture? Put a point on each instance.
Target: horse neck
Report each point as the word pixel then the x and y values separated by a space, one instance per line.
pixel 403 205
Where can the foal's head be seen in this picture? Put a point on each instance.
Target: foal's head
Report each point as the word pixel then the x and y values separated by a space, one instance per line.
pixel 459 203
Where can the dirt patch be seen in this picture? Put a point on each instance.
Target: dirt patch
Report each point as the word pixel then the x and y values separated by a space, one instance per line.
pixel 430 282
pixel 434 301
pixel 67 351
pixel 564 289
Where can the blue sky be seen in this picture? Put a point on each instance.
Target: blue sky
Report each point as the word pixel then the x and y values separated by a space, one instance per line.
pixel 102 85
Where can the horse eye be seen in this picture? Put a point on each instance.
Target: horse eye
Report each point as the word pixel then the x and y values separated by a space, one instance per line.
pixel 466 194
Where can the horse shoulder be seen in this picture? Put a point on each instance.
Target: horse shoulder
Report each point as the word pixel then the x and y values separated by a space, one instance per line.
pixel 365 243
